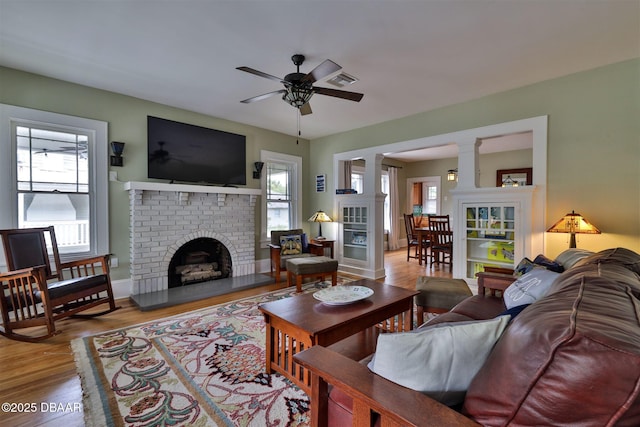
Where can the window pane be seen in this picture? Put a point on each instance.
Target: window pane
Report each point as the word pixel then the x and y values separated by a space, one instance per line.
pixel 278 216
pixel 46 158
pixel 278 197
pixel 278 182
pixel 53 184
pixel 68 213
pixel 357 182
pixel 384 183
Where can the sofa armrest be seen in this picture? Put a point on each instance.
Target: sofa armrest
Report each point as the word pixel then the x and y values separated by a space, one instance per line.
pixel 371 393
pixel 494 282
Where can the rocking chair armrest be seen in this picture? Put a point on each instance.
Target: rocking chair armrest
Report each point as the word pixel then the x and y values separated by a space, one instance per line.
pixel 371 392
pixel 36 276
pixel 38 272
pixel 85 261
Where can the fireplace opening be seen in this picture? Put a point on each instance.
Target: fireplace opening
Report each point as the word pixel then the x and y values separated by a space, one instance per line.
pixel 199 260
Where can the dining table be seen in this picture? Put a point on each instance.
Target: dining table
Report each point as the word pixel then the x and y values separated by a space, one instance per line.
pixel 425 234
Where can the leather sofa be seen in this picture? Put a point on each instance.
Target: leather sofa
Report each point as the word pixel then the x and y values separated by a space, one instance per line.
pixel 571 358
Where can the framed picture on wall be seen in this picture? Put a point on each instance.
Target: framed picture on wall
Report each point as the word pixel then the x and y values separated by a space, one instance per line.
pixel 320 183
pixel 506 177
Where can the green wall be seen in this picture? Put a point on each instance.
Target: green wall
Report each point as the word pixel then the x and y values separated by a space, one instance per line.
pixel 593 157
pixel 593 153
pixel 127 118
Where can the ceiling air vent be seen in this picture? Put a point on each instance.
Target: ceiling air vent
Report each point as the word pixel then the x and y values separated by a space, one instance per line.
pixel 342 79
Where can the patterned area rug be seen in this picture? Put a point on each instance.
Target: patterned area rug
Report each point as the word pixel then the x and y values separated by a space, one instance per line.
pixel 202 368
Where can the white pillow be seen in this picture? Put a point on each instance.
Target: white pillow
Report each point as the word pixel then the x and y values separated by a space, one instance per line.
pixel 529 287
pixel 440 360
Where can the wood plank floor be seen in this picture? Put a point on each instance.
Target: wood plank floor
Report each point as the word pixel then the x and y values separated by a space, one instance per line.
pixel 44 373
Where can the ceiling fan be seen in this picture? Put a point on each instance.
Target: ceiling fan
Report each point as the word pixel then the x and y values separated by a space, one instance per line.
pixel 298 87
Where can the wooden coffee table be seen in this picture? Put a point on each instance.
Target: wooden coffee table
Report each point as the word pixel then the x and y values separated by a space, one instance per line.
pixel 300 322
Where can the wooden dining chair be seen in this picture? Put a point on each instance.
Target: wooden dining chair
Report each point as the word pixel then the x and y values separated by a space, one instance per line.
pixel 441 240
pixel 412 239
pixel 36 294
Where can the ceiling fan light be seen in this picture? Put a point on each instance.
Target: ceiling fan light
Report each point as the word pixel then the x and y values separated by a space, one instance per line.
pixel 297 96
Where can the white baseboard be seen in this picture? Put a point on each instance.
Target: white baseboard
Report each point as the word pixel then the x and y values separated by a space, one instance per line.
pixel 122 288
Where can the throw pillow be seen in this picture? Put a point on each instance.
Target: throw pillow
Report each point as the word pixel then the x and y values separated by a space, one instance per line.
pixel 523 267
pixel 291 245
pixel 549 264
pixel 529 288
pixel 514 311
pixel 305 243
pixel 440 360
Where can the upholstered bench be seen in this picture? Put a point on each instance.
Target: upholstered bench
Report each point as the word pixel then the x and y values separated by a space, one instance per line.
pixel 439 294
pixel 317 266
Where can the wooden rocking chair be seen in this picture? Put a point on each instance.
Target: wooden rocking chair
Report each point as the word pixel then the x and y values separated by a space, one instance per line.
pixel 33 294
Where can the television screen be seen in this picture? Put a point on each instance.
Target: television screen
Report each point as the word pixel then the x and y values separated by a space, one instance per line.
pixel 188 153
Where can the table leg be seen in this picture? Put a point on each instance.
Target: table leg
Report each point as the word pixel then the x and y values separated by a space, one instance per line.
pixel 269 345
pixel 408 319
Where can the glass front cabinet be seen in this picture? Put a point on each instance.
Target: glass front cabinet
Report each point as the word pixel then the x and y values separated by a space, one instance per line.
pixel 491 234
pixel 493 227
pixel 354 232
pixel 359 240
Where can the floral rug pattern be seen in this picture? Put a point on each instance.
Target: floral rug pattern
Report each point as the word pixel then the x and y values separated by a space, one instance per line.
pixel 203 368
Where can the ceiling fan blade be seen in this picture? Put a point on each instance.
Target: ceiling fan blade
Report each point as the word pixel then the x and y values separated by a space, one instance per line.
pixel 321 71
pixel 261 74
pixel 263 96
pixel 351 96
pixel 305 109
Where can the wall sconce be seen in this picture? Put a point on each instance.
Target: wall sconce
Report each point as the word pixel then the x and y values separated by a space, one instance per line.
pixel 320 217
pixel 257 169
pixel 573 223
pixel 509 182
pixel 452 174
pixel 117 148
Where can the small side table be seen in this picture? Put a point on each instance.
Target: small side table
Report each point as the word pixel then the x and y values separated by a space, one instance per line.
pixel 325 244
pixel 494 282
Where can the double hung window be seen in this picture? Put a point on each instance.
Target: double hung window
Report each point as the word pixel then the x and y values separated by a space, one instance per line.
pixel 53 184
pixel 279 197
pixel 282 189
pixel 56 174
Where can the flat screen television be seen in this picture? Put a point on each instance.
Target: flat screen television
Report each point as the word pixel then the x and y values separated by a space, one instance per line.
pixel 189 153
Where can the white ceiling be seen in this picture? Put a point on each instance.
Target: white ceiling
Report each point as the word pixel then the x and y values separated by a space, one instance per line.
pixel 409 56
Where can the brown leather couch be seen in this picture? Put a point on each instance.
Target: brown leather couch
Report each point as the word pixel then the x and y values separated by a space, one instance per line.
pixel 571 358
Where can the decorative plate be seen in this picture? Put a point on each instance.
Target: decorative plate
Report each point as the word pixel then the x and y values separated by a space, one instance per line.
pixel 341 295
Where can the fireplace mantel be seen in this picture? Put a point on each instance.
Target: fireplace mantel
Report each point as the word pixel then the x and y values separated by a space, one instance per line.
pixel 188 188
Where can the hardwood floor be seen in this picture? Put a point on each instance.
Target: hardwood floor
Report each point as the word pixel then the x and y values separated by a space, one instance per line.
pixel 43 377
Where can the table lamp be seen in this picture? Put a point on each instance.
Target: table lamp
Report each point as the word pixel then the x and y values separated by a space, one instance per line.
pixel 573 223
pixel 320 217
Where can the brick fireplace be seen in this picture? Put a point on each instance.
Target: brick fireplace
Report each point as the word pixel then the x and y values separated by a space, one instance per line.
pixel 166 217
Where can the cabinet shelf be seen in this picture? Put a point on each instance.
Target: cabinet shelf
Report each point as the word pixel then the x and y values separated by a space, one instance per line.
pixel 355 233
pixel 491 237
pixel 490 261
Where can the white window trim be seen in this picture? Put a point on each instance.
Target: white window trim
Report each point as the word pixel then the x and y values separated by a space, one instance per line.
pixel 98 157
pixel 296 190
